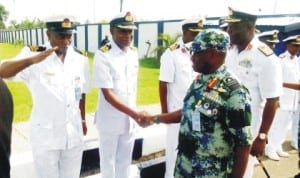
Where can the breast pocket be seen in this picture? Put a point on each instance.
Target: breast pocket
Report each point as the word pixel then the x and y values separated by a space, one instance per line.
pixel 50 79
pixel 207 124
pixel 119 84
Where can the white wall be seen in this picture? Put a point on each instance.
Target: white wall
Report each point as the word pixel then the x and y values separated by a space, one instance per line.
pixel 147 32
pixel 93 37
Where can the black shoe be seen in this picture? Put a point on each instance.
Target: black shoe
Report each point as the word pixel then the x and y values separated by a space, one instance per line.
pixel 297 176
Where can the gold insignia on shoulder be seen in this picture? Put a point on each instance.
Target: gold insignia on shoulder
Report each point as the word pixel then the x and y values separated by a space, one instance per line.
pixel 174 46
pixel 266 50
pixel 105 48
pixel 33 48
pixel 66 23
pixel 84 53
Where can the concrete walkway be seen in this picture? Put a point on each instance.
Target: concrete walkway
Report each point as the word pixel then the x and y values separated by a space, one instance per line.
pixel 22 162
pixel 21 156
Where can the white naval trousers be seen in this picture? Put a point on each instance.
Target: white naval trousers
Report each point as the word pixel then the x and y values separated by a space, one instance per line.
pixel 58 163
pixel 256 112
pixel 279 129
pixel 171 148
pixel 295 127
pixel 115 154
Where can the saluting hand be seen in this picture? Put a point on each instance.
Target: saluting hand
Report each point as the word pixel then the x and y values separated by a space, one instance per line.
pixel 43 55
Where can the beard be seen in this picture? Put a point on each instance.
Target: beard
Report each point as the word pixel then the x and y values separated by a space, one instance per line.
pixel 61 50
pixel 206 69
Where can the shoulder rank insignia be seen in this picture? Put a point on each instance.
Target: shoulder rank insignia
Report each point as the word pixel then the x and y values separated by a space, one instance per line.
pixel 35 48
pixel 231 83
pixel 266 50
pixel 282 56
pixel 84 53
pixel 105 48
pixel 174 46
pixel 133 48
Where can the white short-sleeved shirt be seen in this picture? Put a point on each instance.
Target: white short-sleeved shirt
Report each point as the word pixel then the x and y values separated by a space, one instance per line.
pixel 56 89
pixel 176 69
pixel 117 70
pixel 290 74
pixel 259 71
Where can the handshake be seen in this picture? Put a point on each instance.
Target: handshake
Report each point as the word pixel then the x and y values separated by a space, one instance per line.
pixel 144 119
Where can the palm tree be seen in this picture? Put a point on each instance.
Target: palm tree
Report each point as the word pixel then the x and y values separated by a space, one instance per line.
pixel 3 16
pixel 166 40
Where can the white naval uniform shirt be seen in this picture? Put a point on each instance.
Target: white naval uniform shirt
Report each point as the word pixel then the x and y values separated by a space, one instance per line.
pixel 55 118
pixel 290 74
pixel 260 73
pixel 117 70
pixel 176 69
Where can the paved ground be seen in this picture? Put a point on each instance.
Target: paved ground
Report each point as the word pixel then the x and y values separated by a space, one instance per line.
pixel 22 167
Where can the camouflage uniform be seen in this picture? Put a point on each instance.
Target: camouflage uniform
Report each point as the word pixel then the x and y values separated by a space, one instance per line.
pixel 225 118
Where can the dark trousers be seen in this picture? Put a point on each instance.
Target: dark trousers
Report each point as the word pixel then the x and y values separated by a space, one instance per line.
pixel 6 118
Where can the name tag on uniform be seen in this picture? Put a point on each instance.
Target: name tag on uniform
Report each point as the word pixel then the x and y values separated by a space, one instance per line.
pixel 77 89
pixel 77 93
pixel 196 120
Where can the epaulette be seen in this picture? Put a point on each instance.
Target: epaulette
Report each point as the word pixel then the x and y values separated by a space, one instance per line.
pixel 35 48
pixel 133 48
pixel 282 56
pixel 231 83
pixel 174 46
pixel 104 42
pixel 84 53
pixel 105 48
pixel 266 50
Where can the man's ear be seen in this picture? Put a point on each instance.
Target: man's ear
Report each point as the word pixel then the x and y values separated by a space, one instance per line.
pixel 48 33
pixel 111 30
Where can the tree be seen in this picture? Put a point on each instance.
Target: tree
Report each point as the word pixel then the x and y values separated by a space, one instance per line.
pixel 3 16
pixel 166 41
pixel 26 24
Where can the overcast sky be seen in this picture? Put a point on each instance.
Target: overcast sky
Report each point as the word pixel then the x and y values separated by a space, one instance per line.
pixel 98 10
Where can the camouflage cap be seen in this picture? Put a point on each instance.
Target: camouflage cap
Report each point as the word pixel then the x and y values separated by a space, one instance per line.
pixel 211 38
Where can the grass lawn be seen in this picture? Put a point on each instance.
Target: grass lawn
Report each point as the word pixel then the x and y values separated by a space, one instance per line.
pixel 147 85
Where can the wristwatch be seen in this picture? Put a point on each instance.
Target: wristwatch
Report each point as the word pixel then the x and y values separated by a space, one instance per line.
pixel 156 119
pixel 262 136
